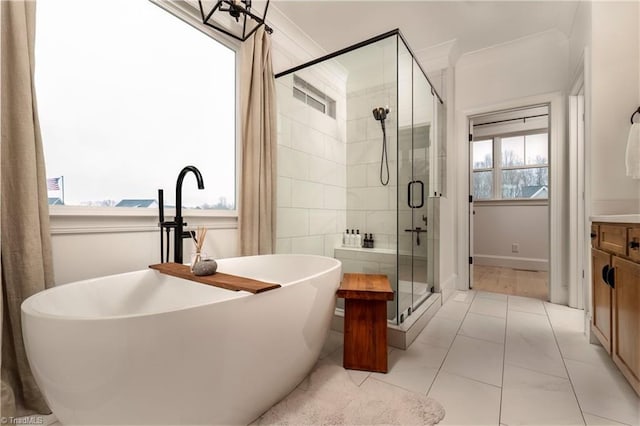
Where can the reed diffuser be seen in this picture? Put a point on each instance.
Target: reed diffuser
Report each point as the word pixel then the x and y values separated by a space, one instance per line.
pixel 201 265
pixel 198 241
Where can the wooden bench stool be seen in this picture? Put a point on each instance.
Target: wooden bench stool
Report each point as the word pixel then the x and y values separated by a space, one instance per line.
pixel 365 321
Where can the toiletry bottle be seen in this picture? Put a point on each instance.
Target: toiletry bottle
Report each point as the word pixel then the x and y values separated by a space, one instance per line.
pixel 358 239
pixel 371 242
pixel 345 238
pixel 367 240
pixel 352 239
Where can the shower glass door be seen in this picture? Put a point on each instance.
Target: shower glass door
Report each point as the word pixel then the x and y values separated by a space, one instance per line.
pixel 406 186
pixel 422 211
pixel 415 206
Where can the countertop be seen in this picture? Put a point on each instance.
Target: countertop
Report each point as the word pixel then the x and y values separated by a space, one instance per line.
pixel 617 218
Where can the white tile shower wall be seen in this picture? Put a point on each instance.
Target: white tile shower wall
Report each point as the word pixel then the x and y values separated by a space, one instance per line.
pixel 373 261
pixel 371 207
pixel 312 171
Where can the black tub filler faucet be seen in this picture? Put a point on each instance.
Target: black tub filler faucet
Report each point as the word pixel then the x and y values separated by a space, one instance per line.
pixel 178 223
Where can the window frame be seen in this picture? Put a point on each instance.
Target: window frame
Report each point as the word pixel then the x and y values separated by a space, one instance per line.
pixel 84 219
pixel 498 167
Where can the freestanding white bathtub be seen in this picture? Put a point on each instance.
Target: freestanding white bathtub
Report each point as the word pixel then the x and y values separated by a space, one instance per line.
pixel 147 348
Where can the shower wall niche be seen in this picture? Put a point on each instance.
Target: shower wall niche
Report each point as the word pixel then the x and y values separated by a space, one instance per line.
pixel 339 170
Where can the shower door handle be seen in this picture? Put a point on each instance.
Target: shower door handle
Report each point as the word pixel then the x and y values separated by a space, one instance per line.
pixel 410 195
pixel 421 194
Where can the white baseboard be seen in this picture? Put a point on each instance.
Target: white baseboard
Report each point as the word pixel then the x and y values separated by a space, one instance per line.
pixel 448 287
pixel 531 264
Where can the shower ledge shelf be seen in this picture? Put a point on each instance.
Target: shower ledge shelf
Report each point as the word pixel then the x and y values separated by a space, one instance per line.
pixel 362 252
pixel 367 250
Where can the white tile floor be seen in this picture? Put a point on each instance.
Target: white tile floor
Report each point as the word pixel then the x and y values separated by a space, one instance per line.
pixel 493 359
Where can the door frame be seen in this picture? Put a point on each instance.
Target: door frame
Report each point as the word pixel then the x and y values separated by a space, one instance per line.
pixel 578 235
pixel 471 200
pixel 558 291
pixel 496 149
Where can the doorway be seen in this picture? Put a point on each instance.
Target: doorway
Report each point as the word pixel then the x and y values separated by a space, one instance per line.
pixel 509 202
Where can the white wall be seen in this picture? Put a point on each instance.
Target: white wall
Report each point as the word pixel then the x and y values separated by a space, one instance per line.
pixel 522 72
pixel 111 242
pixel 579 39
pixel 529 66
pixel 312 174
pixel 615 88
pixel 498 226
pixel 372 206
pixel 448 204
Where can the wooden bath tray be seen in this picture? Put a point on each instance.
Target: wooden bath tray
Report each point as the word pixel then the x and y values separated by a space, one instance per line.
pixel 229 282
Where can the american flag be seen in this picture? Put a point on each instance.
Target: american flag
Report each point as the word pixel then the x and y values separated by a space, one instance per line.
pixel 52 184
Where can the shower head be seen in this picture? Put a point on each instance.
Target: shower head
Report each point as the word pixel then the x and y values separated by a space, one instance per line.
pixel 380 113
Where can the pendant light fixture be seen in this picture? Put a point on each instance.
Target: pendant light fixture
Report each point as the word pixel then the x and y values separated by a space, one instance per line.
pixel 236 18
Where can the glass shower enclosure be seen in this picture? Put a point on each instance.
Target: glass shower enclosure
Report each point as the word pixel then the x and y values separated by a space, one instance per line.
pixel 364 123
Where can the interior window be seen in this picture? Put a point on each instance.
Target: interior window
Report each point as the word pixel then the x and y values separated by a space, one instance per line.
pixel 519 171
pixel 483 169
pixel 525 172
pixel 127 96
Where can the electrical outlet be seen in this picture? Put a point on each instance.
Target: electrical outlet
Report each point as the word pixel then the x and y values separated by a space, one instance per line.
pixel 515 248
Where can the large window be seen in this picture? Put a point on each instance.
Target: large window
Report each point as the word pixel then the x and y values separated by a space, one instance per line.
pixel 128 95
pixel 513 167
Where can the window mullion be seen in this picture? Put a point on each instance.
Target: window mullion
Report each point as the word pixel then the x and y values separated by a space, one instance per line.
pixel 497 168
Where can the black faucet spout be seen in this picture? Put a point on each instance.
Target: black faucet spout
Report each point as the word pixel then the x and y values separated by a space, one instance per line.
pixel 179 233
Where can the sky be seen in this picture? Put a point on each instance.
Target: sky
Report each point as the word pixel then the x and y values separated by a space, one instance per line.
pixel 127 96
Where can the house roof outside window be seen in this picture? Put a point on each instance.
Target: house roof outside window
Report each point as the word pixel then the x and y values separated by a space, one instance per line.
pixel 137 203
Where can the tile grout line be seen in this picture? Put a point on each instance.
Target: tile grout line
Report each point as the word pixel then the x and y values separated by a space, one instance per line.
pixel 450 345
pixel 472 379
pixel 573 389
pixel 479 338
pixel 504 357
pixel 606 418
pixel 537 371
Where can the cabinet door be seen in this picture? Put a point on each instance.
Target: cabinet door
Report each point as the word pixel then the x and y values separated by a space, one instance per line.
pixel 601 293
pixel 626 320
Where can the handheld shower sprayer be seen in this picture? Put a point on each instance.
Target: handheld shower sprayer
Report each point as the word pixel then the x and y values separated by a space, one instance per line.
pixel 380 114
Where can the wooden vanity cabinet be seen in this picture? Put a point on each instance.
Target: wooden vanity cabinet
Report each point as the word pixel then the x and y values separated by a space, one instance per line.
pixel 626 320
pixel 601 292
pixel 616 295
pixel 595 236
pixel 634 244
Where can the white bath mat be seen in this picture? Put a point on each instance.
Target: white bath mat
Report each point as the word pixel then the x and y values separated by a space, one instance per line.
pixel 329 397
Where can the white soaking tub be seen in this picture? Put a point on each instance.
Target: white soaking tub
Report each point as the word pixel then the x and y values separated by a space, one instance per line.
pixel 145 348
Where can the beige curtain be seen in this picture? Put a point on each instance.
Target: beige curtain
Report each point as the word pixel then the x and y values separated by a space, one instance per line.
pixel 24 213
pixel 257 214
